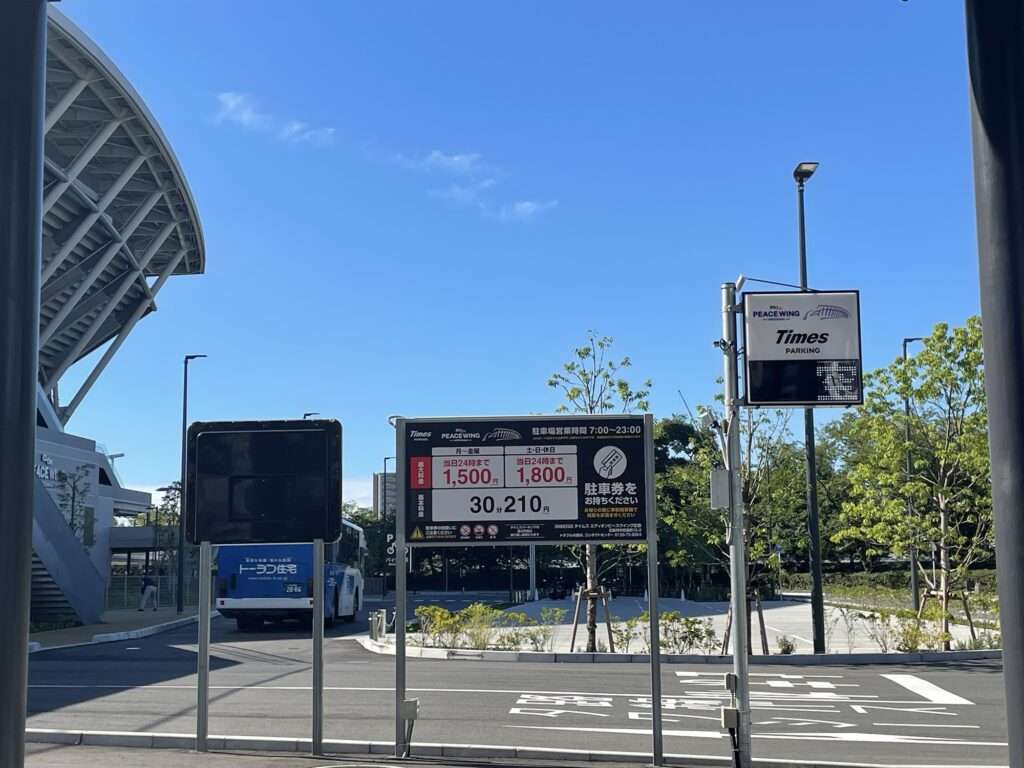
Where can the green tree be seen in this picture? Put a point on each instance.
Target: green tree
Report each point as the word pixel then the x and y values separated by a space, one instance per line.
pixel 592 382
pixel 948 489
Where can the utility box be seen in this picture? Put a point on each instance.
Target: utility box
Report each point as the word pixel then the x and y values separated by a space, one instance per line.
pixel 720 488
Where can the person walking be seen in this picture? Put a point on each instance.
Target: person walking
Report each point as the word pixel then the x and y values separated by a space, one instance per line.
pixel 148 592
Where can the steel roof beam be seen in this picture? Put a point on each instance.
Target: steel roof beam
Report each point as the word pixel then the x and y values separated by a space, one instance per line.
pixel 63 103
pixel 89 219
pixel 138 274
pixel 80 163
pixel 140 310
pixel 46 334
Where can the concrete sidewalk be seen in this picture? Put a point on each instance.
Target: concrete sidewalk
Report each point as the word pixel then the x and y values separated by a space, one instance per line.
pixel 123 620
pixel 64 756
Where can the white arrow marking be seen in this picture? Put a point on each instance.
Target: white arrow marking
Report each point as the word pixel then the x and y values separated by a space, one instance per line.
pixel 927 690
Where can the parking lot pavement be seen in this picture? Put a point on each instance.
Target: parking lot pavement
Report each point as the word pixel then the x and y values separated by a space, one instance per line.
pixel 925 714
pixel 57 756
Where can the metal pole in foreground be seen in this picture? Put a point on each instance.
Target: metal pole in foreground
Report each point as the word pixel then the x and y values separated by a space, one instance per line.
pixel 813 526
pixel 915 588
pixel 997 124
pixel 203 659
pixel 652 592
pixel 533 572
pixel 181 500
pixel 318 647
pixel 400 470
pixel 22 99
pixel 737 543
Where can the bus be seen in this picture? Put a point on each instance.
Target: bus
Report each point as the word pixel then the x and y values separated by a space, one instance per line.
pixel 274 582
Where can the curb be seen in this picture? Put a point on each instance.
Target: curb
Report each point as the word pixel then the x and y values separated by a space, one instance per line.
pixel 795 660
pixel 114 637
pixel 149 740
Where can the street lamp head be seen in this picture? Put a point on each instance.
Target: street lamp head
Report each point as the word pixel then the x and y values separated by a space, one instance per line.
pixel 804 171
pixel 307 414
pixel 909 339
pixel 193 357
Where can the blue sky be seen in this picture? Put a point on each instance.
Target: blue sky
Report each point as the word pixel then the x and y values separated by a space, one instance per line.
pixel 421 207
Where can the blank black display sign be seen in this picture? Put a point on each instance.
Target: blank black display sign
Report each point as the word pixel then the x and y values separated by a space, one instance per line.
pixel 262 482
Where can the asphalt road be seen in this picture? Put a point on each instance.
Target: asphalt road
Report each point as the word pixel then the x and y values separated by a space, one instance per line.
pixel 948 714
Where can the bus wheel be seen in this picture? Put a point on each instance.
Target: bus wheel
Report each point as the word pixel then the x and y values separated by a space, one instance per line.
pixel 249 624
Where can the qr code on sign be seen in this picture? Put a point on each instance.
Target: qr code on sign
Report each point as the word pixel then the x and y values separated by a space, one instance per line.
pixel 838 381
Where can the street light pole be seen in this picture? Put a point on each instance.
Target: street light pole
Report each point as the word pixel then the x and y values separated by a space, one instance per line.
pixel 915 588
pixel 801 174
pixel 181 498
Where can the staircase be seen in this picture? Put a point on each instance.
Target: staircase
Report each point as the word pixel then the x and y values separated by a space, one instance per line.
pixel 49 606
pixel 65 583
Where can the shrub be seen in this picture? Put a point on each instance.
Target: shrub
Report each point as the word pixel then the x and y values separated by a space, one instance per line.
pixel 786 646
pixel 478 624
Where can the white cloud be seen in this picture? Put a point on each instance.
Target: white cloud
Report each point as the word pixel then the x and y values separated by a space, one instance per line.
pixel 471 181
pixel 358 489
pixel 523 210
pixel 297 132
pixel 464 194
pixel 464 164
pixel 241 109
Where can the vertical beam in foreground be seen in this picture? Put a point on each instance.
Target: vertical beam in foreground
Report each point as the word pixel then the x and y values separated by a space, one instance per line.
pixel 657 749
pixel 22 109
pixel 318 647
pixel 400 511
pixel 996 60
pixel 203 660
pixel 737 541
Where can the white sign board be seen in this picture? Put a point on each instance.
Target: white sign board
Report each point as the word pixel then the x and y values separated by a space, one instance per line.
pixel 803 348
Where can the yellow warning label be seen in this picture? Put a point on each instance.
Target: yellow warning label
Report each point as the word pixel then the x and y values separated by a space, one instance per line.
pixel 417 535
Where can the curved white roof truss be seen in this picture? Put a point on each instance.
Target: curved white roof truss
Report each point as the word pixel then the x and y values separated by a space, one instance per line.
pixel 118 217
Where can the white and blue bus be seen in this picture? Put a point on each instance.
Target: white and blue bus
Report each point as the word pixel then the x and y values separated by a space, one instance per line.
pixel 274 582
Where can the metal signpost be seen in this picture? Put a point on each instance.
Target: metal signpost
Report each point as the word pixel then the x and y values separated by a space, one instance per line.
pixel 22 107
pixel 262 482
pixel 803 350
pixel 501 481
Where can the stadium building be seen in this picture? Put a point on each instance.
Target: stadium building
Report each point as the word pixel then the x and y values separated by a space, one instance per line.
pixel 118 222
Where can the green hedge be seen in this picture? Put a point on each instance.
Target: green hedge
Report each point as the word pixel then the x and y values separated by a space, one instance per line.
pixel 801 582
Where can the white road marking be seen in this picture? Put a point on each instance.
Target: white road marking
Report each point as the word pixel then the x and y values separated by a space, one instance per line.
pixel 880 738
pixel 863 709
pixel 758 698
pixel 927 690
pixel 924 725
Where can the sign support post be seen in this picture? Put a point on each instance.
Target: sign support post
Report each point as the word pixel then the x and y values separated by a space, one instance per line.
pixel 318 647
pixel 203 663
pixel 737 532
pixel 400 513
pixel 23 104
pixel 652 593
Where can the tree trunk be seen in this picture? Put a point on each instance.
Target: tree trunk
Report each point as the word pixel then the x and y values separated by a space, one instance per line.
pixel 944 574
pixel 591 601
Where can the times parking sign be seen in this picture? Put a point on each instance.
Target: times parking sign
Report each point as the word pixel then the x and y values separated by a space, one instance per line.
pixel 526 480
pixel 803 348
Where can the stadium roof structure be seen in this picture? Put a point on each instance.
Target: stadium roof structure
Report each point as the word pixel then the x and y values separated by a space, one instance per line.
pixel 118 216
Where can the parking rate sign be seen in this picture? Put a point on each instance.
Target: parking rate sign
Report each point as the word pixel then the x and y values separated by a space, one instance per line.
pixel 525 480
pixel 803 349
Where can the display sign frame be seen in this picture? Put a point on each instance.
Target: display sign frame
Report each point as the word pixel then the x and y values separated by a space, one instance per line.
pixel 553 511
pixel 213 516
pixel 803 350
